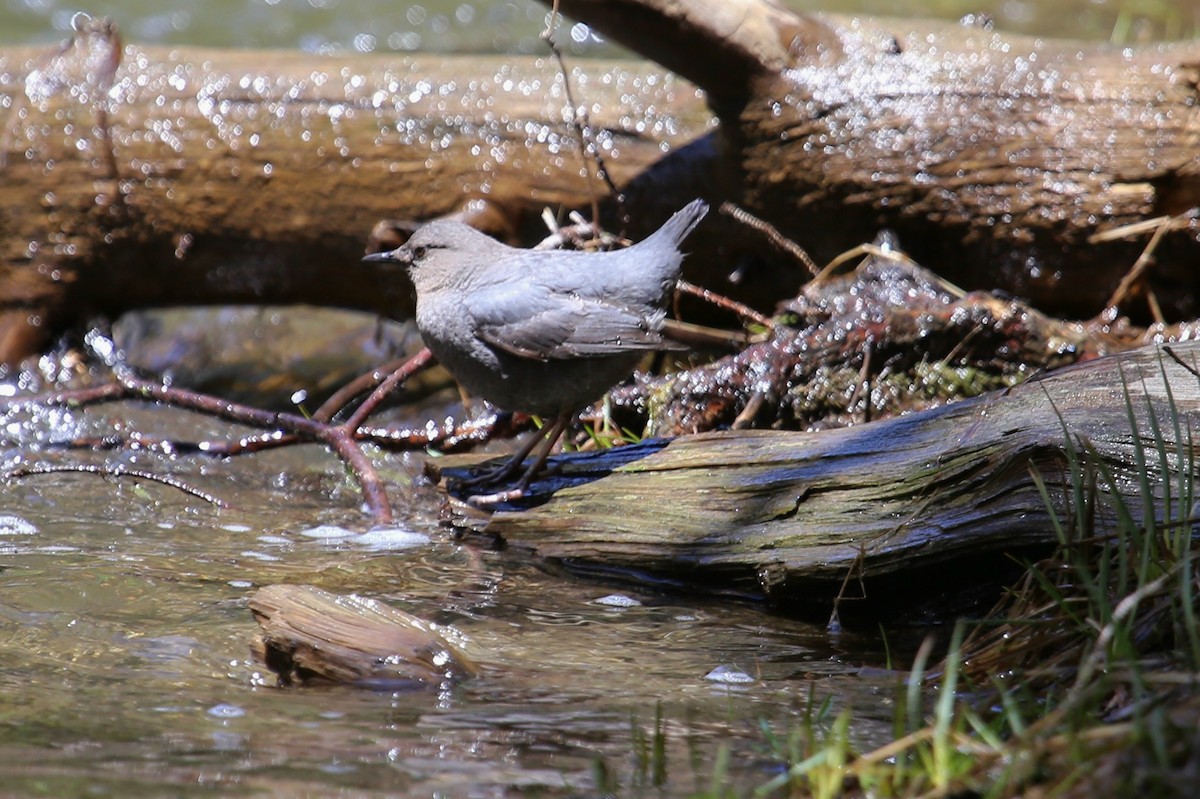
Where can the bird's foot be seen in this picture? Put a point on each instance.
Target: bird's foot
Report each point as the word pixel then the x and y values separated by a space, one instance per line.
pixel 499 475
pixel 497 498
pixel 493 475
pixel 518 490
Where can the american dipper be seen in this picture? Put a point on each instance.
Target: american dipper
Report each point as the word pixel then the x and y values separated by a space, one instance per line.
pixel 543 332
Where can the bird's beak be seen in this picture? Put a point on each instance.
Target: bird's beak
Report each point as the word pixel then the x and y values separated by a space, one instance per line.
pixel 400 255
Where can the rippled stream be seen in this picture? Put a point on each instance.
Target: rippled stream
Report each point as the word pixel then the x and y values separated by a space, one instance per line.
pixel 125 638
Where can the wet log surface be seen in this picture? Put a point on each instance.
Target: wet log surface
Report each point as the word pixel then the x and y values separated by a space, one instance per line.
pixel 789 515
pixel 310 636
pixel 995 157
pixel 148 176
pixel 182 175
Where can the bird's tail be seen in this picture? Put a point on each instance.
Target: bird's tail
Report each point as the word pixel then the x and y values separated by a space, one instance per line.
pixel 682 222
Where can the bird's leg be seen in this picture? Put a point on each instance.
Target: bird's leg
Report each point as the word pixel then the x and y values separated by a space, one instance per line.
pixel 513 465
pixel 517 491
pixel 506 469
pixel 552 436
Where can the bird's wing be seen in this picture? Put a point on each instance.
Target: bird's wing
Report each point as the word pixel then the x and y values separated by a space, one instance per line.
pixel 552 326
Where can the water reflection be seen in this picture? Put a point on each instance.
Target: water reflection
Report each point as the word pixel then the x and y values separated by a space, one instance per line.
pixel 513 26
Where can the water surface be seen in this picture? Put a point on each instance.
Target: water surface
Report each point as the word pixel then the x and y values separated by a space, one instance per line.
pixel 125 637
pixel 513 26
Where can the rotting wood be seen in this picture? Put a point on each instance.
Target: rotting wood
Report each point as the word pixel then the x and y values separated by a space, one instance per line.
pixel 789 515
pixel 311 636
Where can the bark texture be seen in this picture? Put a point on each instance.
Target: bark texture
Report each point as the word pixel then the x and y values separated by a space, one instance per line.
pixel 310 636
pixel 994 157
pixel 790 515
pixel 137 177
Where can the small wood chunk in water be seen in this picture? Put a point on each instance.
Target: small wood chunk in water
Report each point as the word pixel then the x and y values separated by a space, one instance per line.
pixel 312 636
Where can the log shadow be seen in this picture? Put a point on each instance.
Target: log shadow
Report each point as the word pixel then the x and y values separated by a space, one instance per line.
pixel 561 472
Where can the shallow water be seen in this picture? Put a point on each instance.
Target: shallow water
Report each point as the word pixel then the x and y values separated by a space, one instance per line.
pixel 513 26
pixel 125 636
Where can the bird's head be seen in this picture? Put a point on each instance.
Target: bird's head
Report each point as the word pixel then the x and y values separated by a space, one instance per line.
pixel 441 253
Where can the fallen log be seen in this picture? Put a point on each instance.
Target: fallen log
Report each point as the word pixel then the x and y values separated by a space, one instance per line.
pixel 909 502
pixel 136 176
pixel 997 159
pixel 177 175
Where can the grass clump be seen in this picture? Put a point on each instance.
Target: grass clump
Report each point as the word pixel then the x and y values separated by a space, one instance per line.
pixel 1085 678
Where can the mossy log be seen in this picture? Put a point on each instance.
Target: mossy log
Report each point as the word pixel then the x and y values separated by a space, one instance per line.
pixel 784 515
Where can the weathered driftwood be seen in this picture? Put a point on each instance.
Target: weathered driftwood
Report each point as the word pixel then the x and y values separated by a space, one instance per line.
pixel 995 157
pixel 257 176
pixel 785 514
pixel 310 635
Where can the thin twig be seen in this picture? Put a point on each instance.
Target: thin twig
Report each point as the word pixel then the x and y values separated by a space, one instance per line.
pixel 173 446
pixel 1136 276
pixel 406 370
pixel 1175 357
pixel 1125 232
pixel 578 235
pixel 583 128
pixel 447 437
pixel 359 385
pixel 863 383
pixel 116 471
pixel 341 440
pixel 745 419
pixel 855 569
pixel 721 301
pixel 773 235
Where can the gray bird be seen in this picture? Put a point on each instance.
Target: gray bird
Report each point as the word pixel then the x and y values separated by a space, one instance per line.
pixel 545 332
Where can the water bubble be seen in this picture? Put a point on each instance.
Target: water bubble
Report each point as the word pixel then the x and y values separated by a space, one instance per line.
pixel 16 525
pixel 327 532
pixel 617 601
pixel 226 711
pixel 729 675
pixel 390 538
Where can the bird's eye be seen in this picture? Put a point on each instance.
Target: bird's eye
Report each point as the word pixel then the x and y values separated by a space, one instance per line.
pixel 419 253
